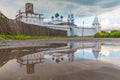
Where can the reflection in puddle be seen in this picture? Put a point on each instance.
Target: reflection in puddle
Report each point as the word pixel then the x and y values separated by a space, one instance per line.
pixel 31 58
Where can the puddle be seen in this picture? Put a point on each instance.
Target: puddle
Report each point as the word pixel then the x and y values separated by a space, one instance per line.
pixel 57 61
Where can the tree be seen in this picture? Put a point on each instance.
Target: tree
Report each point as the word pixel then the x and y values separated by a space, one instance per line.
pixel 114 31
pixel 102 34
pixel 115 34
pixel 112 34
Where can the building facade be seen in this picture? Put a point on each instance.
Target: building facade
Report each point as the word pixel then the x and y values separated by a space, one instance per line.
pixel 74 30
pixel 30 17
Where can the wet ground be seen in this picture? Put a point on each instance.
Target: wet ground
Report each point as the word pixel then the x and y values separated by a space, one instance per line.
pixel 61 61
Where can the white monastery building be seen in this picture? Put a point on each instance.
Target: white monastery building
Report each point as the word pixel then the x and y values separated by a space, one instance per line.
pixel 30 17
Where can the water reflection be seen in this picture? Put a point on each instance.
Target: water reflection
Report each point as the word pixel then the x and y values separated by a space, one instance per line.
pixel 54 53
pixel 57 55
pixel 96 50
pixel 29 61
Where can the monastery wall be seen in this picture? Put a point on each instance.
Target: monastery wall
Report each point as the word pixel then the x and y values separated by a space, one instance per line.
pixel 14 27
pixel 84 31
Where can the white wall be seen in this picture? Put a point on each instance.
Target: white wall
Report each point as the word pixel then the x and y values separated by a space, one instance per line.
pixel 77 31
pixel 59 27
pixel 84 31
pixel 31 19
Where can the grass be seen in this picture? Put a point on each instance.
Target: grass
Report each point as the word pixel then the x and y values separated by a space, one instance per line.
pixel 23 37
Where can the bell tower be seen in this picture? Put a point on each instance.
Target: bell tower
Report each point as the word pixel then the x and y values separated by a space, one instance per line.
pixel 71 21
pixel 71 18
pixel 29 8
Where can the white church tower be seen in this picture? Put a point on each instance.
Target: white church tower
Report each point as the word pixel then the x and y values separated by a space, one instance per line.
pixel 96 24
pixel 71 18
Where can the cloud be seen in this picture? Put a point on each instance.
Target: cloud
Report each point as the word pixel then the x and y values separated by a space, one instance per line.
pixel 101 3
pixel 111 19
pixel 108 10
pixel 91 7
pixel 105 50
pixel 78 7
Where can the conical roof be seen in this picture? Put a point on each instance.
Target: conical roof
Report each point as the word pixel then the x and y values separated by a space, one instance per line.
pixel 96 21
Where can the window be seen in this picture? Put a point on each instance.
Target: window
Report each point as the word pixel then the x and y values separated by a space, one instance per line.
pixel 30 21
pixel 33 21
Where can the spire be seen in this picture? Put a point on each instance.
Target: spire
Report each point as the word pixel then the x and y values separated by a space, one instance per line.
pixel 96 21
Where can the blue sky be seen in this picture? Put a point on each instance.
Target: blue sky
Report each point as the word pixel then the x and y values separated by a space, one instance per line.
pixel 83 10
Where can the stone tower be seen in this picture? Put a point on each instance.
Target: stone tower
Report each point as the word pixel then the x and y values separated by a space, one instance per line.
pixel 29 8
pixel 96 24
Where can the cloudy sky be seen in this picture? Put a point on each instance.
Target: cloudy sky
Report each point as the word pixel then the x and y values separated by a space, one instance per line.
pixel 83 10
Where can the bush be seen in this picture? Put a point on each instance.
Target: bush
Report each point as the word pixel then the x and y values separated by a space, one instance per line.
pixel 115 34
pixel 101 34
pixel 112 34
pixel 114 31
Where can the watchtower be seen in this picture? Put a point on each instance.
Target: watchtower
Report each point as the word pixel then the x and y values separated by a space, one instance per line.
pixel 96 24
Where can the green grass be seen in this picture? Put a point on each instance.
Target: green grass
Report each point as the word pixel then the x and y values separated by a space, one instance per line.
pixel 23 37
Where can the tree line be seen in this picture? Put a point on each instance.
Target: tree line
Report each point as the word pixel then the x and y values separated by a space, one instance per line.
pixel 111 34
